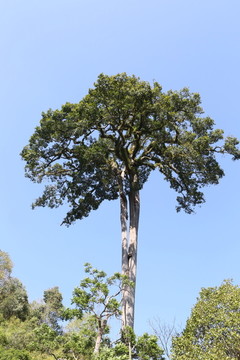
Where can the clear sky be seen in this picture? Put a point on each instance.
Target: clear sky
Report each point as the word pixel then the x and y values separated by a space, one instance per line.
pixel 51 52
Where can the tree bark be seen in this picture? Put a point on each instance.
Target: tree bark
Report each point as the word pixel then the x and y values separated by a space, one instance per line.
pixel 129 252
pixel 134 206
pixel 124 235
pixel 98 343
pixel 101 327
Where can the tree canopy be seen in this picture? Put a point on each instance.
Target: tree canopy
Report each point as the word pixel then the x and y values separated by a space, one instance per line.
pixel 212 331
pixel 95 296
pixel 124 123
pixel 5 267
pixel 13 295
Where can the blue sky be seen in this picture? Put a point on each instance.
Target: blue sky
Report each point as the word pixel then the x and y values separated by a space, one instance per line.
pixel 52 52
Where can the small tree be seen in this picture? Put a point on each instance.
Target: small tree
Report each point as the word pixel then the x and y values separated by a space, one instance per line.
pixel 6 266
pixel 80 338
pixel 213 330
pixel 49 310
pixel 106 146
pixel 147 348
pixel 13 295
pixel 46 340
pixel 95 297
pixel 143 347
pixel 53 308
pixel 14 300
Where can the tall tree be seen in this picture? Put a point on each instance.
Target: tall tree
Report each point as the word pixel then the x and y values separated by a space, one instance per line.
pixel 105 147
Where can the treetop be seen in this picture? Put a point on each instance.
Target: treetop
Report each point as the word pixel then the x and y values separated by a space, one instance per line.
pixel 125 128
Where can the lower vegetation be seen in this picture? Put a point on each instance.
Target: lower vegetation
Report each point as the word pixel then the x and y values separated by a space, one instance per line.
pixel 46 330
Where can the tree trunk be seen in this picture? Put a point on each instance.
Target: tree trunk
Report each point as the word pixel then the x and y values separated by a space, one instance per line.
pixel 98 343
pixel 125 266
pixel 134 206
pixel 129 252
pixel 101 327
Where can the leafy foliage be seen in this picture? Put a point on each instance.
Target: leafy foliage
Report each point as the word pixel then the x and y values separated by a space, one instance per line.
pixel 96 298
pixel 124 123
pixel 17 334
pixel 53 308
pixel 143 347
pixel 36 334
pixel 13 296
pixel 13 299
pixel 80 337
pixel 12 354
pixel 93 295
pixel 147 348
pixel 49 310
pixel 5 267
pixel 45 340
pixel 213 330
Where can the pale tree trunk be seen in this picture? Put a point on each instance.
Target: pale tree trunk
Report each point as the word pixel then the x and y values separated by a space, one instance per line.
pixel 125 266
pixel 129 250
pixel 101 327
pixel 98 343
pixel 134 205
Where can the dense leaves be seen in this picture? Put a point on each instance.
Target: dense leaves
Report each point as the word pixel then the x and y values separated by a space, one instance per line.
pixel 53 308
pixel 213 329
pixel 37 334
pixel 13 296
pixel 12 354
pixel 124 123
pixel 5 267
pixel 13 300
pixel 80 337
pixel 98 297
